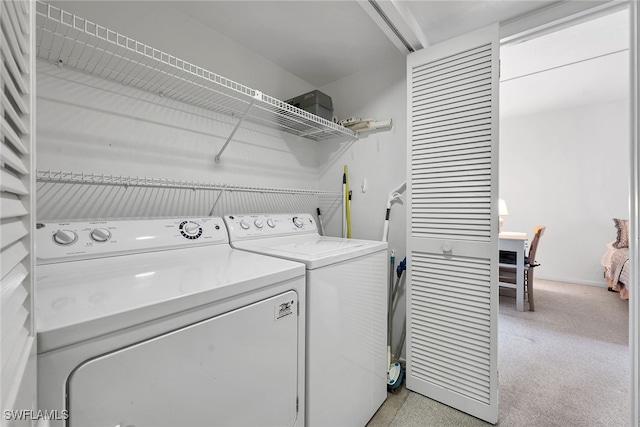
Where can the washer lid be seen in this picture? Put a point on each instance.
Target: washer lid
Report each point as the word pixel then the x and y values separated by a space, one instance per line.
pixel 313 250
pixel 80 300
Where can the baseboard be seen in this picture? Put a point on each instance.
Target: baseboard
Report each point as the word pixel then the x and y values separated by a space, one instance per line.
pixel 601 284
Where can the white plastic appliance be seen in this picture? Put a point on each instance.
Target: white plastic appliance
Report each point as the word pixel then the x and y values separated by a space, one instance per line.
pixel 160 322
pixel 346 313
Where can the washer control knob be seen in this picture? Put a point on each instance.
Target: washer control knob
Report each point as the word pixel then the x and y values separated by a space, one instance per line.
pixel 244 224
pixel 191 228
pixel 270 223
pixel 258 223
pixel 100 235
pixel 65 237
pixel 298 222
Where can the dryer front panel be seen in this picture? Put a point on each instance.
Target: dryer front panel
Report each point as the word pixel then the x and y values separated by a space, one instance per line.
pixel 236 369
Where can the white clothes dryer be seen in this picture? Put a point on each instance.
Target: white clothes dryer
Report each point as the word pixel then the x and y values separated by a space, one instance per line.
pixel 346 331
pixel 160 322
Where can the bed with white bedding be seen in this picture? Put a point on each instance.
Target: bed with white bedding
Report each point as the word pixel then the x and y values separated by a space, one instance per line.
pixel 616 260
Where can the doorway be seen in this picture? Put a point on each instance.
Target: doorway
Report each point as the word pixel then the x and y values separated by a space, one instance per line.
pixel 564 155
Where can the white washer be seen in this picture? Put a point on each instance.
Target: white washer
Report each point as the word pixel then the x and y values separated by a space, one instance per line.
pixel 161 323
pixel 346 313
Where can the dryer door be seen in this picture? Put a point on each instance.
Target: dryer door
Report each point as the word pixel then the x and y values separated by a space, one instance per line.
pixel 236 369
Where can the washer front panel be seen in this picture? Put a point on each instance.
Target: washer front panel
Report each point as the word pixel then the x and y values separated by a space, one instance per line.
pixel 347 328
pixel 346 331
pixel 237 369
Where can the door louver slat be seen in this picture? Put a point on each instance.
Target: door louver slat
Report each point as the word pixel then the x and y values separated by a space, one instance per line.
pixel 454 62
pixel 453 84
pixel 427 151
pixel 451 119
pixel 444 340
pixel 478 364
pixel 12 231
pixel 435 294
pixel 475 377
pixel 462 109
pixel 10 86
pixel 467 136
pixel 441 157
pixel 444 103
pixel 12 161
pixel 474 68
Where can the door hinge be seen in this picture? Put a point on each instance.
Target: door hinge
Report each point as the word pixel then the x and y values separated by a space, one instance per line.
pixel 297 404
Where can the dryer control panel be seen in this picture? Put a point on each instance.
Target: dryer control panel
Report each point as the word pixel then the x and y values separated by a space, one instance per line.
pixel 58 241
pixel 254 226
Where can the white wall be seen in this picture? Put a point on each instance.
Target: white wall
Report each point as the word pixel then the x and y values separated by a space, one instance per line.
pixel 85 124
pixel 378 157
pixel 568 170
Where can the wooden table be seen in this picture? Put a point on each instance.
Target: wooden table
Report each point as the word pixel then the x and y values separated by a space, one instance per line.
pixel 515 242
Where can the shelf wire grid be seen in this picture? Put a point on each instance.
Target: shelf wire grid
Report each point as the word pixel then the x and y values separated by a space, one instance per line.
pixel 137 181
pixel 71 41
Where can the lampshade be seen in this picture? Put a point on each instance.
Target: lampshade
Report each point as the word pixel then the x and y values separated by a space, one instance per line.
pixel 502 208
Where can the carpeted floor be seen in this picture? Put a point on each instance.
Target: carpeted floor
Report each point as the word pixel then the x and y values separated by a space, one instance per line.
pixel 566 364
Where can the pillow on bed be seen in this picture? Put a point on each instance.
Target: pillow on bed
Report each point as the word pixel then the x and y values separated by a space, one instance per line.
pixel 622 239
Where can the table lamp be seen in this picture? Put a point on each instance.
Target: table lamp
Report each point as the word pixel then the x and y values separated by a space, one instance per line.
pixel 502 211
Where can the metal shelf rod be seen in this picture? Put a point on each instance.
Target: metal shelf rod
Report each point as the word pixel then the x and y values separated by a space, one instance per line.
pixel 64 177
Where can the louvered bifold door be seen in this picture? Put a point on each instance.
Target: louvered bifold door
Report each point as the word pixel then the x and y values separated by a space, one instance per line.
pixel 452 297
pixel 16 214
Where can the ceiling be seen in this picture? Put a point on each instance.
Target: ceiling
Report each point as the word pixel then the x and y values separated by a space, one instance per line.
pixel 580 65
pixel 323 41
pixel 318 41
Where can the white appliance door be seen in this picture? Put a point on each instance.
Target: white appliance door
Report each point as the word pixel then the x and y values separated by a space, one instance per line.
pixel 236 369
pixel 346 341
pixel 452 298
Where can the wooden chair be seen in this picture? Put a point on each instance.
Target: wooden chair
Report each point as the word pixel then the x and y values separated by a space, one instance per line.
pixel 508 274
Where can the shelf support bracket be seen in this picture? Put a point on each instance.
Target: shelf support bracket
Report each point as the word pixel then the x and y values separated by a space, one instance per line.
pixel 256 97
pixel 216 202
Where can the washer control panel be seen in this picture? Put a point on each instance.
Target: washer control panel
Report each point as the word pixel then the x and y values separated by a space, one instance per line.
pixel 71 240
pixel 251 226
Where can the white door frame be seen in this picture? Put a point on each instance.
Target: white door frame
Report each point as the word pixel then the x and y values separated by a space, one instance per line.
pixel 634 200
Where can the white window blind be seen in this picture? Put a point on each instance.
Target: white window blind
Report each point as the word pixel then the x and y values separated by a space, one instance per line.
pixel 17 326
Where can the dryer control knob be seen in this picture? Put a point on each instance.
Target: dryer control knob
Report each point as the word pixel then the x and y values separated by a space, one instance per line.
pixel 244 224
pixel 65 237
pixel 100 235
pixel 190 230
pixel 258 223
pixel 298 222
pixel 270 223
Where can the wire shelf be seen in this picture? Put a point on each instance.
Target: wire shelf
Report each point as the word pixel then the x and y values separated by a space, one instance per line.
pixel 71 41
pixel 137 181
